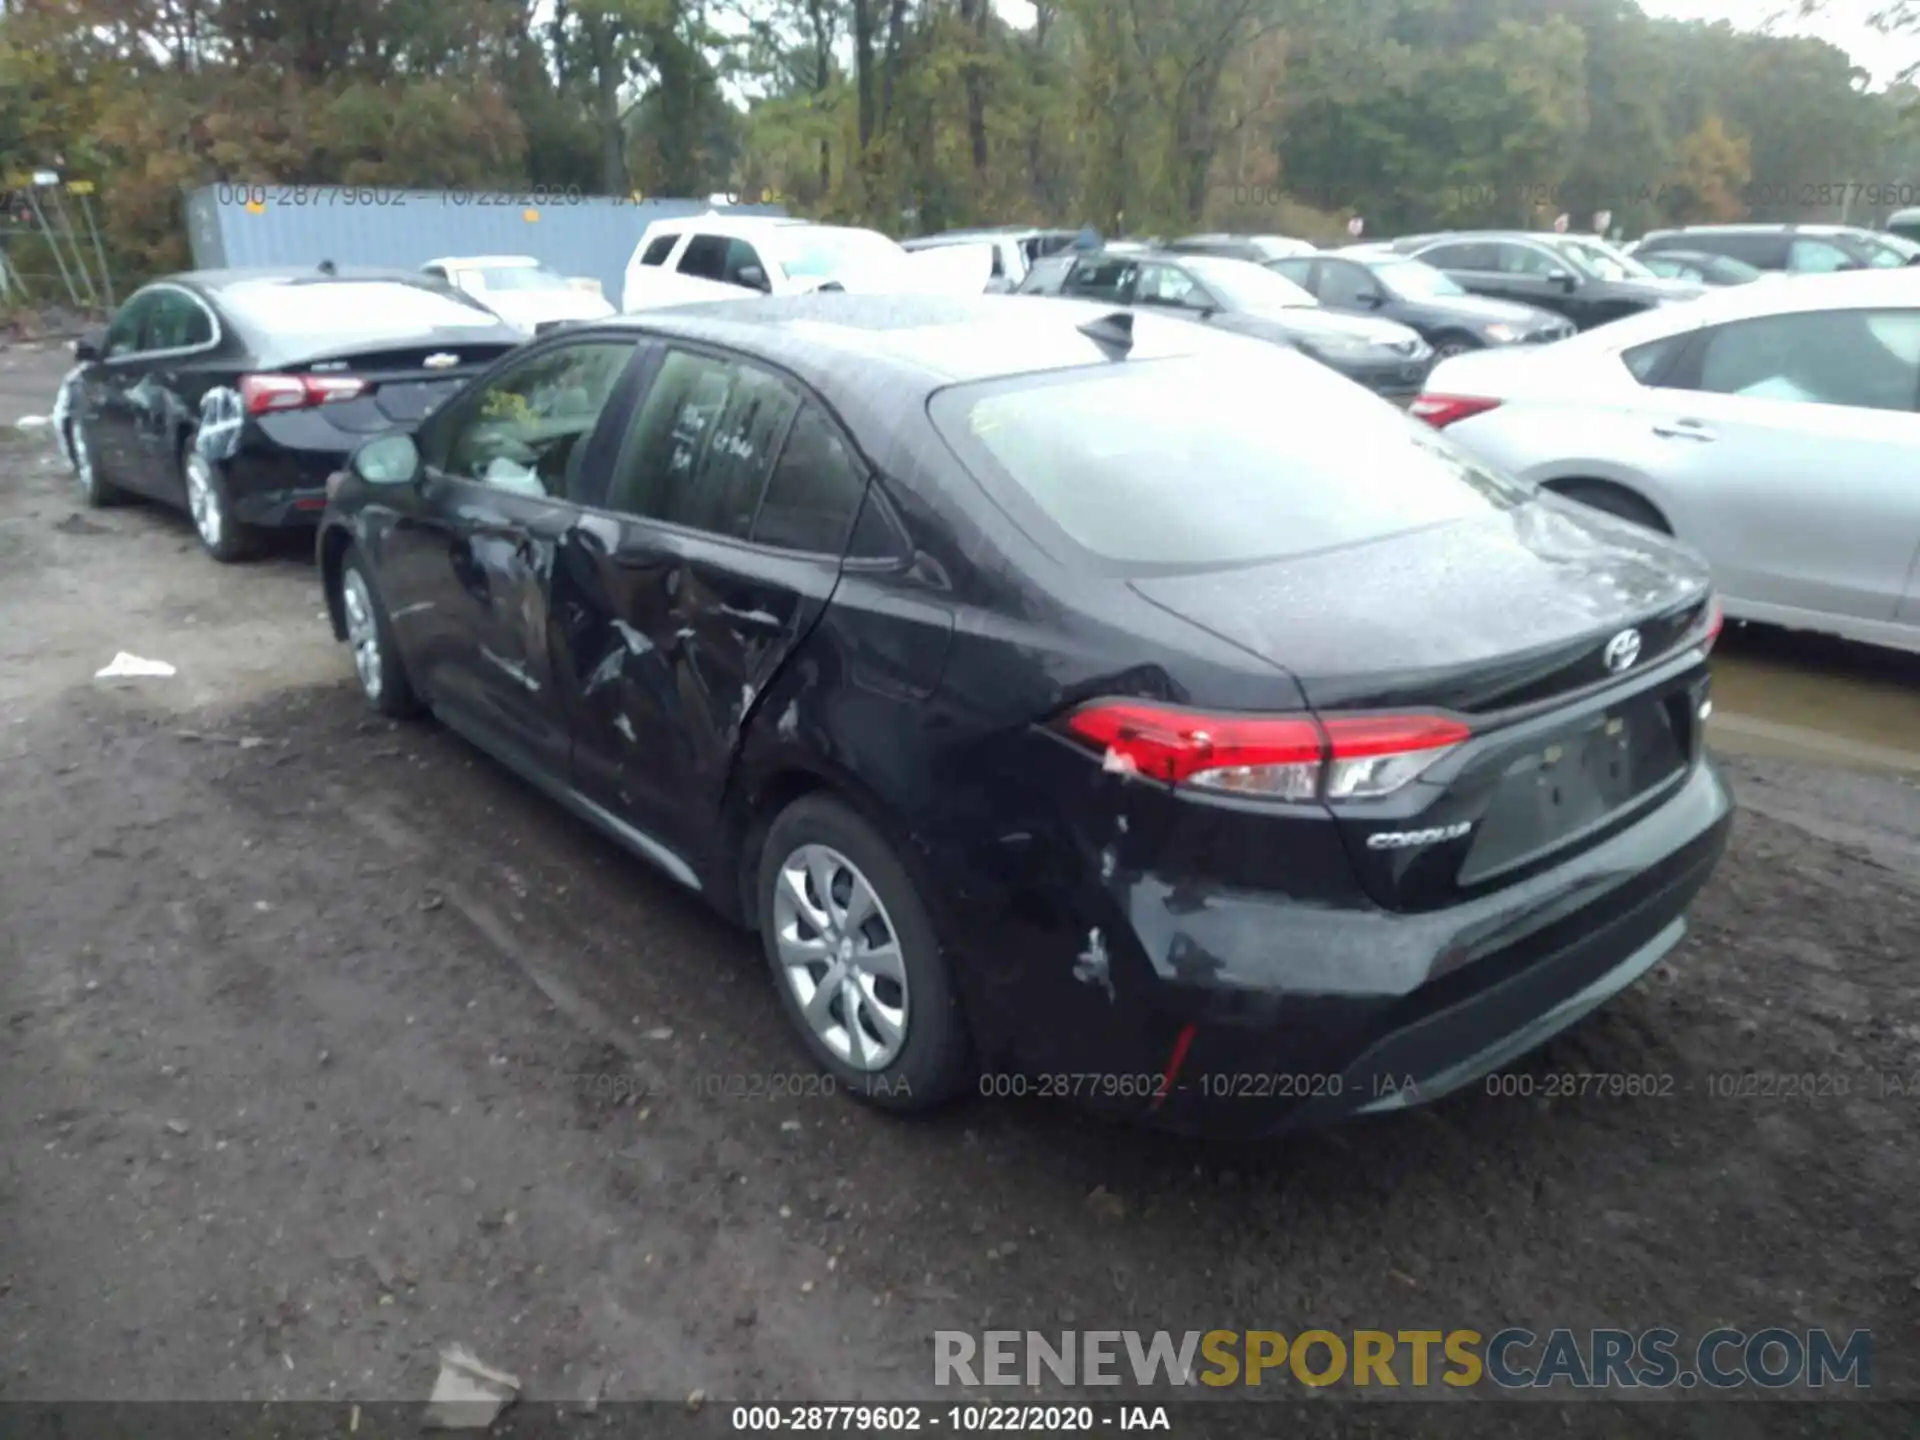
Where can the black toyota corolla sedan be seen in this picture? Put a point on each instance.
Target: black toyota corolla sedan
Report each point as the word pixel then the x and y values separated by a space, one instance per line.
pixel 233 394
pixel 1062 693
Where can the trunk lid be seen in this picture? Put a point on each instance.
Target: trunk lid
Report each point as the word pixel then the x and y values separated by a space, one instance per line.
pixel 405 383
pixel 1506 622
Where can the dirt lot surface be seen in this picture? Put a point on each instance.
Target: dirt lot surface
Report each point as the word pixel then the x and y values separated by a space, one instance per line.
pixel 295 1008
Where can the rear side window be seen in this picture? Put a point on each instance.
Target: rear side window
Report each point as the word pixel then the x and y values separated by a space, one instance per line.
pixel 1179 464
pixel 1865 359
pixel 705 256
pixel 815 490
pixel 657 252
pixel 176 322
pixel 702 444
pixel 1300 272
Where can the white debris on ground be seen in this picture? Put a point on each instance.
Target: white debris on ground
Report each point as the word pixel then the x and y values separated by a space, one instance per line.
pixel 468 1394
pixel 125 666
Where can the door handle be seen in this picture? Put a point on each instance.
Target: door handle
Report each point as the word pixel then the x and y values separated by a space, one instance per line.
pixel 1685 430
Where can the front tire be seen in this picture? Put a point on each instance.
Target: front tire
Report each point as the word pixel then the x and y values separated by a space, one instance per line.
pixel 210 503
pixel 857 961
pixel 96 492
pixel 376 658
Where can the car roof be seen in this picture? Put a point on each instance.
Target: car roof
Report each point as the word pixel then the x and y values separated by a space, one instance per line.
pixel 217 280
pixel 1839 290
pixel 1755 228
pixel 716 223
pixel 468 262
pixel 923 342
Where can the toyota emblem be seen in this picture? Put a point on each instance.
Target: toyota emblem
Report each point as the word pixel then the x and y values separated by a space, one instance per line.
pixel 1622 650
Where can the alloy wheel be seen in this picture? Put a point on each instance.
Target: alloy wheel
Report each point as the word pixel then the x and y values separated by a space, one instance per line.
pixel 203 500
pixel 841 955
pixel 363 632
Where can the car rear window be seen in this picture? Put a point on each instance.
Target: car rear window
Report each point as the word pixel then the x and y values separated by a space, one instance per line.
pixel 1205 462
pixel 350 307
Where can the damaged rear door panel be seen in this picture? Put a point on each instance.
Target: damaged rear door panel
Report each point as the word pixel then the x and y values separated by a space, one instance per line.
pixel 707 562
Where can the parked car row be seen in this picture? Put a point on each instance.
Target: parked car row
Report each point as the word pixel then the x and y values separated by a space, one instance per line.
pixel 1081 686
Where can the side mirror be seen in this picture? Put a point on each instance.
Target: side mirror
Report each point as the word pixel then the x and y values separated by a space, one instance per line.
pixel 1563 278
pixel 1371 300
pixel 91 345
pixel 391 459
pixel 754 278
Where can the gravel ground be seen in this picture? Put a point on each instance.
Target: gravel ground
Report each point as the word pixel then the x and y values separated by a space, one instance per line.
pixel 296 1006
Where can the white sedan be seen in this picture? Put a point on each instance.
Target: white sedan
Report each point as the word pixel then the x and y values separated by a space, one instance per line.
pixel 1775 428
pixel 520 290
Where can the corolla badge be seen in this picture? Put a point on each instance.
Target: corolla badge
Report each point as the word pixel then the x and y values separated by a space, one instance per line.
pixel 1407 839
pixel 440 361
pixel 1622 650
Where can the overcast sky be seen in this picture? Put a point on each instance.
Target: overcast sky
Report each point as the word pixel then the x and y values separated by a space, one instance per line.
pixel 1840 22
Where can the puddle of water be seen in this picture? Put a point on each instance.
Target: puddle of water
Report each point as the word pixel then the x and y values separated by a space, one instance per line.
pixel 1804 697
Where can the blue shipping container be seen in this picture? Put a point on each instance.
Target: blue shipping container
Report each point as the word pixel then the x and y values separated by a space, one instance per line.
pixel 240 226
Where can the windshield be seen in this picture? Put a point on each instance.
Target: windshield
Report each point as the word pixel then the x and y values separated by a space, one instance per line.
pixel 827 252
pixel 1413 279
pixel 1247 286
pixel 520 277
pixel 350 307
pixel 1178 464
pixel 1600 261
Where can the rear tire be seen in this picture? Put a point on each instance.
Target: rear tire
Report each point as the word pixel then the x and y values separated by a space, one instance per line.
pixel 96 492
pixel 210 504
pixel 856 959
pixel 1616 501
pixel 384 683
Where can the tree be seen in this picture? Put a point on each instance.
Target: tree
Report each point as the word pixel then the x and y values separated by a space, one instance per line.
pixel 1712 170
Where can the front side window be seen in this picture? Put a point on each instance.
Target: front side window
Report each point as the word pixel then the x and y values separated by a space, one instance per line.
pixel 1468 256
pixel 1164 285
pixel 123 335
pixel 1817 257
pixel 705 256
pixel 527 429
pixel 1525 260
pixel 1866 359
pixel 1101 280
pixel 743 267
pixel 702 444
pixel 1346 286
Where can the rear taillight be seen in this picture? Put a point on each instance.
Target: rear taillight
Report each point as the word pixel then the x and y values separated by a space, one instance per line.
pixel 1716 620
pixel 264 393
pixel 1441 411
pixel 1269 757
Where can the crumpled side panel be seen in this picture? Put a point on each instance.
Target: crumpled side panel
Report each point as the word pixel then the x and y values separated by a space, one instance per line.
pixel 221 418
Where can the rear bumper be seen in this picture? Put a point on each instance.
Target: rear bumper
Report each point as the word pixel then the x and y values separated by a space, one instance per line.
pixel 1263 1014
pixel 275 484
